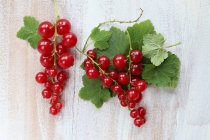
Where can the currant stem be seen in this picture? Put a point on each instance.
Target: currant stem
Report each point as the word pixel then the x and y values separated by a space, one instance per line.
pixel 176 44
pixel 129 67
pixel 56 10
pixel 113 21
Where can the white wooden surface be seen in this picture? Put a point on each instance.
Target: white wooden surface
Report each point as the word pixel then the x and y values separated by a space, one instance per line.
pixel 180 114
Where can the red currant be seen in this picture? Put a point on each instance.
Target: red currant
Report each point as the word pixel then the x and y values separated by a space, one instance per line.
pixel 53 110
pixel 54 99
pixel 142 111
pixel 123 78
pixel 136 69
pixel 51 71
pixel 117 89
pixel 47 61
pixel 57 88
pixel 45 46
pixel 119 61
pixel 121 96
pixel 140 86
pixel 134 113
pixel 113 74
pixel 66 60
pixel 139 121
pixel 131 104
pixel 103 62
pixel 136 56
pixel 63 26
pixel 138 99
pixel 62 76
pixel 41 77
pixel 46 93
pixel 88 64
pixel 133 81
pixel 46 29
pixel 69 40
pixel 60 49
pixel 123 103
pixel 48 84
pixel 92 54
pixel 107 82
pixel 92 73
pixel 132 94
pixel 58 105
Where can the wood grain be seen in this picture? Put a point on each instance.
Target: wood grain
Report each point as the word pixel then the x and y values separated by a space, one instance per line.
pixel 180 114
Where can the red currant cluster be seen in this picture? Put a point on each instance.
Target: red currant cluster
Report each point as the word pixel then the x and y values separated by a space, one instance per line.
pixel 54 45
pixel 126 84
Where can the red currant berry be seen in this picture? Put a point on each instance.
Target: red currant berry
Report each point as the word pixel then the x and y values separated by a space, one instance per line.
pixel 92 73
pixel 60 49
pixel 66 60
pixel 88 64
pixel 119 61
pixel 140 86
pixel 63 26
pixel 138 99
pixel 51 71
pixel 136 56
pixel 69 40
pixel 117 89
pixel 53 110
pixel 46 29
pixel 123 103
pixel 123 78
pixel 46 93
pixel 45 46
pixel 101 75
pixel 113 74
pixel 134 113
pixel 57 88
pixel 62 76
pixel 132 94
pixel 41 77
pixel 47 61
pixel 136 69
pixel 92 54
pixel 54 99
pixel 142 111
pixel 121 96
pixel 48 84
pixel 131 104
pixel 139 121
pixel 103 62
pixel 58 105
pixel 133 81
pixel 107 82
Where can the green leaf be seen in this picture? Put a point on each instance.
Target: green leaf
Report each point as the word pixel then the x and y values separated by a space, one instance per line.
pixel 138 31
pixel 100 38
pixel 153 48
pixel 29 31
pixel 118 43
pixel 101 45
pixel 94 92
pixel 164 75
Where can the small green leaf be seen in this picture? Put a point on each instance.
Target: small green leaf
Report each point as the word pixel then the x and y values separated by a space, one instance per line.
pixel 94 92
pixel 118 44
pixel 138 31
pixel 164 75
pixel 100 38
pixel 153 48
pixel 29 31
